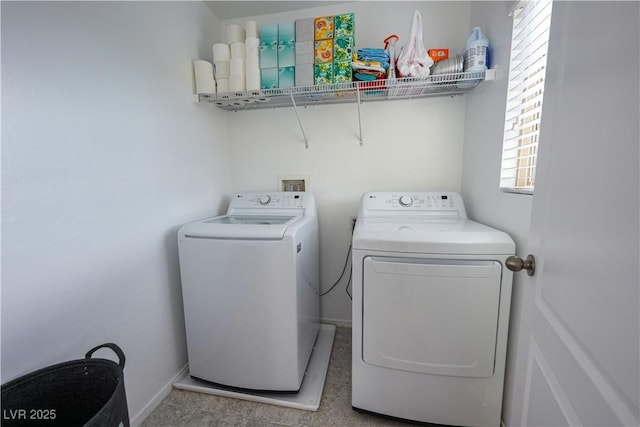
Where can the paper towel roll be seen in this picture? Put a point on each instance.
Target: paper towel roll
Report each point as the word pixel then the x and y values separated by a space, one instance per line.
pixel 223 85
pixel 252 64
pixel 221 52
pixel 237 83
pixel 251 29
pixel 252 46
pixel 205 83
pixel 222 69
pixel 253 81
pixel 237 50
pixel 237 67
pixel 235 33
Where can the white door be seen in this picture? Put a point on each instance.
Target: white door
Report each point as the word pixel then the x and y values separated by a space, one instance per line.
pixel 578 355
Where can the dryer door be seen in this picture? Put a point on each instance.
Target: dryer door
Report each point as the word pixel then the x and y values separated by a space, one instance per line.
pixel 431 316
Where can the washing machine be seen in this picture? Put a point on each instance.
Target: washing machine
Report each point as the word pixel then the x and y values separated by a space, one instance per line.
pixel 431 300
pixel 250 286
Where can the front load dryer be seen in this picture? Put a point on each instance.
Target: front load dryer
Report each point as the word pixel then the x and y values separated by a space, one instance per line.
pixel 250 285
pixel 431 300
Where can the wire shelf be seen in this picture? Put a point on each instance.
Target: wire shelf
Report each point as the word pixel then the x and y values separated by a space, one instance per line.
pixel 338 93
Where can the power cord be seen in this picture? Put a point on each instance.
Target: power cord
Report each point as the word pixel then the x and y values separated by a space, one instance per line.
pixel 346 262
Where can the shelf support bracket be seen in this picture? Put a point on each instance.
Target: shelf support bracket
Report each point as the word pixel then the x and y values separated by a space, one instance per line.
pixel 359 115
pixel 304 135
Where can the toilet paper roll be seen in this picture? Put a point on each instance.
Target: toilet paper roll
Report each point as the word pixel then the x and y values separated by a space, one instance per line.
pixel 223 85
pixel 235 33
pixel 237 83
pixel 205 83
pixel 251 29
pixel 252 46
pixel 222 69
pixel 253 81
pixel 237 50
pixel 221 52
pixel 252 64
pixel 237 67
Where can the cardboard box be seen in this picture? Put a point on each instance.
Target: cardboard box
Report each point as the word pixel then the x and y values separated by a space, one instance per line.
pixel 286 77
pixel 344 25
pixel 269 56
pixel 323 27
pixel 304 30
pixel 286 33
pixel 305 58
pixel 342 72
pixel 323 51
pixel 438 54
pixel 304 75
pixel 323 73
pixel 343 48
pixel 268 35
pixel 268 78
pixel 286 55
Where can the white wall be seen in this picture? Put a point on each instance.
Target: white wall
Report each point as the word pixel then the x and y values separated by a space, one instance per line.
pixel 408 145
pixel 103 157
pixel 484 128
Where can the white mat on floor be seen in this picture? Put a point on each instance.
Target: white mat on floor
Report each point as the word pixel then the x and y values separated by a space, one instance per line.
pixel 307 398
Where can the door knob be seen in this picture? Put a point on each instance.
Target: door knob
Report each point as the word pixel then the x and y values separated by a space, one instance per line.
pixel 515 263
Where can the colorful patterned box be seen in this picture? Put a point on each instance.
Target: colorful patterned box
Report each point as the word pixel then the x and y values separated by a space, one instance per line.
pixel 323 73
pixel 345 25
pixel 342 48
pixel 323 27
pixel 342 71
pixel 323 51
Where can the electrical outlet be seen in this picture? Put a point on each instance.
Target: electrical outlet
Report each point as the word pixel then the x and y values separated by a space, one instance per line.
pixel 353 223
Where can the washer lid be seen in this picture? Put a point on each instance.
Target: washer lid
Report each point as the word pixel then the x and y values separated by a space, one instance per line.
pixel 431 236
pixel 243 227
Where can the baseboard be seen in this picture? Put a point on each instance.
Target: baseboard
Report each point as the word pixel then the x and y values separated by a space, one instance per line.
pixel 155 401
pixel 338 322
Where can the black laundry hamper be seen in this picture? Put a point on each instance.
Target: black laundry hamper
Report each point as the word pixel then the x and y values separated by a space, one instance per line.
pixel 86 392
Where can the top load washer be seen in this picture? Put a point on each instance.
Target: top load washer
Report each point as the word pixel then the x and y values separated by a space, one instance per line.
pixel 250 285
pixel 431 300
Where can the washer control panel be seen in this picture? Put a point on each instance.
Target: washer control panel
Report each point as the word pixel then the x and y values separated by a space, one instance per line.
pixel 273 200
pixel 418 203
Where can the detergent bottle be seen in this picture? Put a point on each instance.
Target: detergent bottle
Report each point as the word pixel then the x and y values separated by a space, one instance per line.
pixel 476 52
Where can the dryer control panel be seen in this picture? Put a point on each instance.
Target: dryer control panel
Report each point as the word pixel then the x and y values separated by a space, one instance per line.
pixel 412 203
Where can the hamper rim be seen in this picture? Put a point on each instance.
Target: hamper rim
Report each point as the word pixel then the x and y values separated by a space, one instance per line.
pixel 30 376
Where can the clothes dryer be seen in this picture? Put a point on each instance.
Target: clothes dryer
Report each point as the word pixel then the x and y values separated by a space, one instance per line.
pixel 250 286
pixel 431 300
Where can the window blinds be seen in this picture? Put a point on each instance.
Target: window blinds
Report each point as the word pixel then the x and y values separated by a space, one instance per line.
pixel 527 68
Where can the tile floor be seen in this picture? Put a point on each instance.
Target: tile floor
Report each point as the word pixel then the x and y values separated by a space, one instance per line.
pixel 190 409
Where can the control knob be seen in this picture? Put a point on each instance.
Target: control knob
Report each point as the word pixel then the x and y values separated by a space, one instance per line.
pixel 265 200
pixel 406 201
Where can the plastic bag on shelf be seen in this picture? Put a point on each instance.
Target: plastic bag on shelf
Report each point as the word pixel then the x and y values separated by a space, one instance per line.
pixel 414 61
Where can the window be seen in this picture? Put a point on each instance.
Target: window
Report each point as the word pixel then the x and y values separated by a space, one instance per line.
pixel 527 69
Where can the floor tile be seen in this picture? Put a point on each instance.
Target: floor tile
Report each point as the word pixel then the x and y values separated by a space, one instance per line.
pixel 183 408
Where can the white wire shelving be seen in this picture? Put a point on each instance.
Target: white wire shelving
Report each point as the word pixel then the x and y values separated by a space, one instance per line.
pixel 351 92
